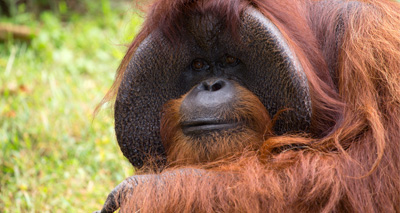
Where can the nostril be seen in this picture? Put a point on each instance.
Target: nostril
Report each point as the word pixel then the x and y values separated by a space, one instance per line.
pixel 211 85
pixel 217 86
pixel 205 86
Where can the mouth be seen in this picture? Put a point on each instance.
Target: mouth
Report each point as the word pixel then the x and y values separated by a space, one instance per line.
pixel 202 126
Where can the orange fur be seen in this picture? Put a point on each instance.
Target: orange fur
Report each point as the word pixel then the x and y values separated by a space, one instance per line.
pixel 352 161
pixel 184 150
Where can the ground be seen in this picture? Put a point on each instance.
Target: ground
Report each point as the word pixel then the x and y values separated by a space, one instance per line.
pixel 54 157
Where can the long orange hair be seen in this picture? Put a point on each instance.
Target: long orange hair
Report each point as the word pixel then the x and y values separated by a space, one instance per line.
pixel 350 164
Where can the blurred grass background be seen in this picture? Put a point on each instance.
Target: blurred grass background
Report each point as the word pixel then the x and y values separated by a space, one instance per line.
pixel 53 156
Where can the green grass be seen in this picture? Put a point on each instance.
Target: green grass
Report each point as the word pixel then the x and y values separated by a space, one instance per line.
pixel 53 156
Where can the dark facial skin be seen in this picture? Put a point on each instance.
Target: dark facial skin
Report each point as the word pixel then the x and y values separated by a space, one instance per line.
pixel 211 68
pixel 256 59
pixel 201 106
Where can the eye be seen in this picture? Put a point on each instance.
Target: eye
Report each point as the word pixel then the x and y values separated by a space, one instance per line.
pixel 230 60
pixel 199 65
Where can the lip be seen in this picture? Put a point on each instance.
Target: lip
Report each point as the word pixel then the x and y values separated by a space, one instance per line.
pixel 201 126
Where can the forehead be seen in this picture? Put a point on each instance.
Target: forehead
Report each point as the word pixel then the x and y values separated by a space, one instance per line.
pixel 205 29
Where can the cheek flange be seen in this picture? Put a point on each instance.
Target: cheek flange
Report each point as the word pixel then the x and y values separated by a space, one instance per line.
pixel 274 73
pixel 154 76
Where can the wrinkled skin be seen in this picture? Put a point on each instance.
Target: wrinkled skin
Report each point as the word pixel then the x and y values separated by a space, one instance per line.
pixel 257 116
